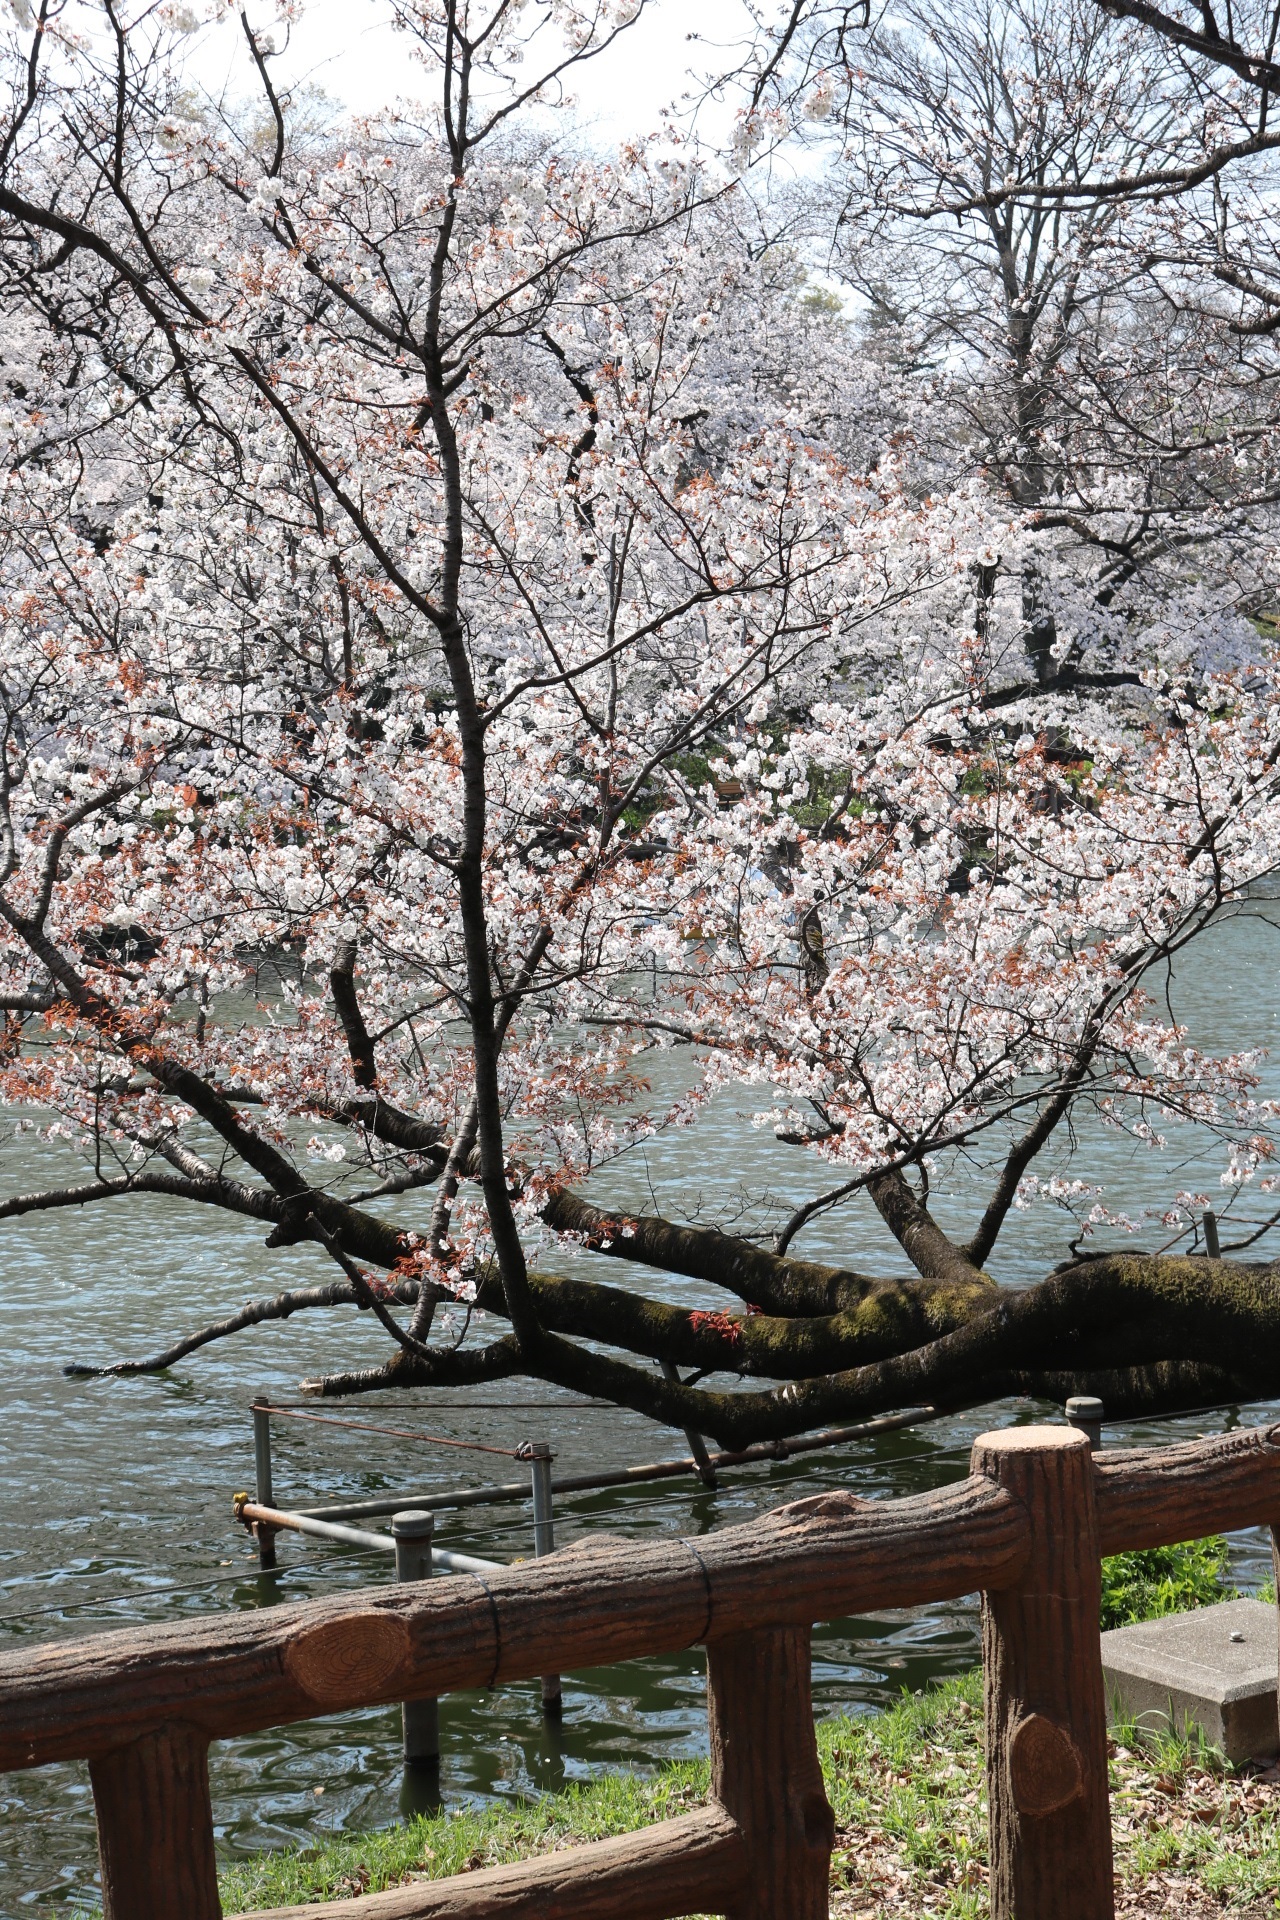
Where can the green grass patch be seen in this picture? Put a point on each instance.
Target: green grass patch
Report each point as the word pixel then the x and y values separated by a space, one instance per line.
pixel 1160 1580
pixel 909 1795
pixel 434 1846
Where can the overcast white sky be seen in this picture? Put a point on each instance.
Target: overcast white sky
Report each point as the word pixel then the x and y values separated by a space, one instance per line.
pixel 349 49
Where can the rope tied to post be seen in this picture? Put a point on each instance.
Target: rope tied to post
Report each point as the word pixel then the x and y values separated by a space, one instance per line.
pixel 397 1433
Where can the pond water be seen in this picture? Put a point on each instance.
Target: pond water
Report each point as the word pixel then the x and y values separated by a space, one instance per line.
pixel 116 1501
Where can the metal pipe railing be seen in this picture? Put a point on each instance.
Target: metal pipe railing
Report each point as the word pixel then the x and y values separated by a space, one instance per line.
pixel 256 1516
pixel 512 1490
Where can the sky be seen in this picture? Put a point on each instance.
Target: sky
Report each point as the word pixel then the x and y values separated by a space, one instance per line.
pixel 349 49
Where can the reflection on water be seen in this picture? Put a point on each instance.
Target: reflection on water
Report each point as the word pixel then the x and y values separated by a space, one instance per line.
pixel 117 1494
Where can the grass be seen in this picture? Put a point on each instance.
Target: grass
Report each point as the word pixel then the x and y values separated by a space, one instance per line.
pixel 1160 1580
pixel 1183 1821
pixel 436 1845
pixel 906 1783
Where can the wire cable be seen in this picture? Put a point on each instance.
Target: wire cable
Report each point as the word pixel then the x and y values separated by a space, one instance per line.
pixel 395 1433
pixel 138 1594
pixel 491 1406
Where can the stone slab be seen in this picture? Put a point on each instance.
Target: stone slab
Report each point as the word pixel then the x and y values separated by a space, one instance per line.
pixel 1214 1668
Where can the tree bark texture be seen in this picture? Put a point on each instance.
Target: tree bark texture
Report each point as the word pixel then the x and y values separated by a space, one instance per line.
pixel 155 1827
pixel 1143 1334
pixel 765 1771
pixel 1050 1816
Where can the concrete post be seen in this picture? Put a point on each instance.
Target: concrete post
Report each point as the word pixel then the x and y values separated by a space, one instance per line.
pixel 266 1536
pixel 412 1533
pixel 1085 1413
pixel 544 1542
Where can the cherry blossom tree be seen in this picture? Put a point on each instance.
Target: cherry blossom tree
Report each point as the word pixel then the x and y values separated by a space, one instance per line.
pixel 468 625
pixel 1216 243
pixel 964 204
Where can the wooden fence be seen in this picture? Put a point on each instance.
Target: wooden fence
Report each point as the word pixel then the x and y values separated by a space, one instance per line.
pixel 1027 1528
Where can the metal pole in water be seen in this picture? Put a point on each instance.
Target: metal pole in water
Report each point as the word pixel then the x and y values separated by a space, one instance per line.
pixel 1210 1224
pixel 540 1458
pixel 1084 1412
pixel 266 1536
pixel 420 1718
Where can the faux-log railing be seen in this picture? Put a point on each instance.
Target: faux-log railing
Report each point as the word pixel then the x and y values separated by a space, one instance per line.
pixel 1028 1529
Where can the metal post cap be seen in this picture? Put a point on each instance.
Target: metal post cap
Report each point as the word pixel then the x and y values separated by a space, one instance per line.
pixel 1084 1406
pixel 412 1525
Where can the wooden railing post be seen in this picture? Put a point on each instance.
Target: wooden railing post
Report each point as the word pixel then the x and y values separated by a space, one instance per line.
pixel 1050 1813
pixel 155 1828
pixel 765 1771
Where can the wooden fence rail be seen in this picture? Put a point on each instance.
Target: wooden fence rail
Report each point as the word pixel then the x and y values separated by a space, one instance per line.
pixel 1027 1529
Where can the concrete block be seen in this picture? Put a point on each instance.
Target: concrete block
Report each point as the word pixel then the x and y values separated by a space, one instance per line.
pixel 1213 1668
